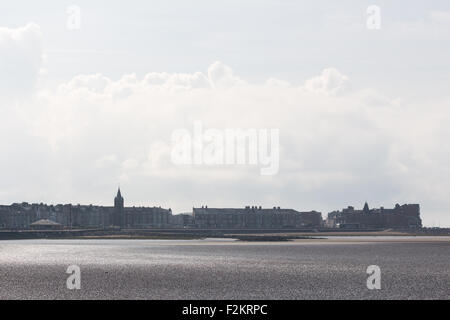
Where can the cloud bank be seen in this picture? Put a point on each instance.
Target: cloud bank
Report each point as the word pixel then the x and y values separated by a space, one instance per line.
pixel 20 59
pixel 338 146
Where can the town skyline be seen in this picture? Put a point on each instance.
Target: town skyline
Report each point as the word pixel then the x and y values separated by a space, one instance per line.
pixel 24 216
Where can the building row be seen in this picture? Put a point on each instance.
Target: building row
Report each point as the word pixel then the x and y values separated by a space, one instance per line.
pixel 254 218
pixel 42 216
pixel 400 217
pixel 24 215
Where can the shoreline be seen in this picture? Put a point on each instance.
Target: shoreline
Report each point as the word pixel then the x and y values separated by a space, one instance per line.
pixel 194 233
pixel 237 235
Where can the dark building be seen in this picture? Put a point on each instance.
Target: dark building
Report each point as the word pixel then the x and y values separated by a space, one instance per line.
pixel 22 215
pixel 182 220
pixel 118 210
pixel 254 218
pixel 147 217
pixel 45 224
pixel 400 217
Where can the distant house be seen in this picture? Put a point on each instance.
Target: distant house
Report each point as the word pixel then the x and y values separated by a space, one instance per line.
pixel 400 217
pixel 45 224
pixel 254 218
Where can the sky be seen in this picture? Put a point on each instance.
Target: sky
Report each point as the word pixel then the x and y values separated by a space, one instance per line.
pixel 91 93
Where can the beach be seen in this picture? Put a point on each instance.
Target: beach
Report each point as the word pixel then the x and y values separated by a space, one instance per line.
pixel 330 268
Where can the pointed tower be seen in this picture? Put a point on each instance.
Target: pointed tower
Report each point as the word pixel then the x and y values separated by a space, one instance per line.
pixel 118 210
pixel 366 208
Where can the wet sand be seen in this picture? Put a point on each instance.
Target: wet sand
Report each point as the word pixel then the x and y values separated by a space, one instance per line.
pixel 334 268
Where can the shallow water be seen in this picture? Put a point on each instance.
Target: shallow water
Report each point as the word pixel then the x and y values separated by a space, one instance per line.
pixel 220 269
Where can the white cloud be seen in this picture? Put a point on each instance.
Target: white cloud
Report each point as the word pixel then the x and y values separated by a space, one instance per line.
pixel 331 81
pixel 20 59
pixel 93 83
pixel 273 82
pixel 221 76
pixel 182 80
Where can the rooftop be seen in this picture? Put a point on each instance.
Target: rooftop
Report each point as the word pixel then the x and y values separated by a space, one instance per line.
pixel 45 222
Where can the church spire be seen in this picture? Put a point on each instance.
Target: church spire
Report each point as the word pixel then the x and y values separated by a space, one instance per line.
pixel 118 217
pixel 366 208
